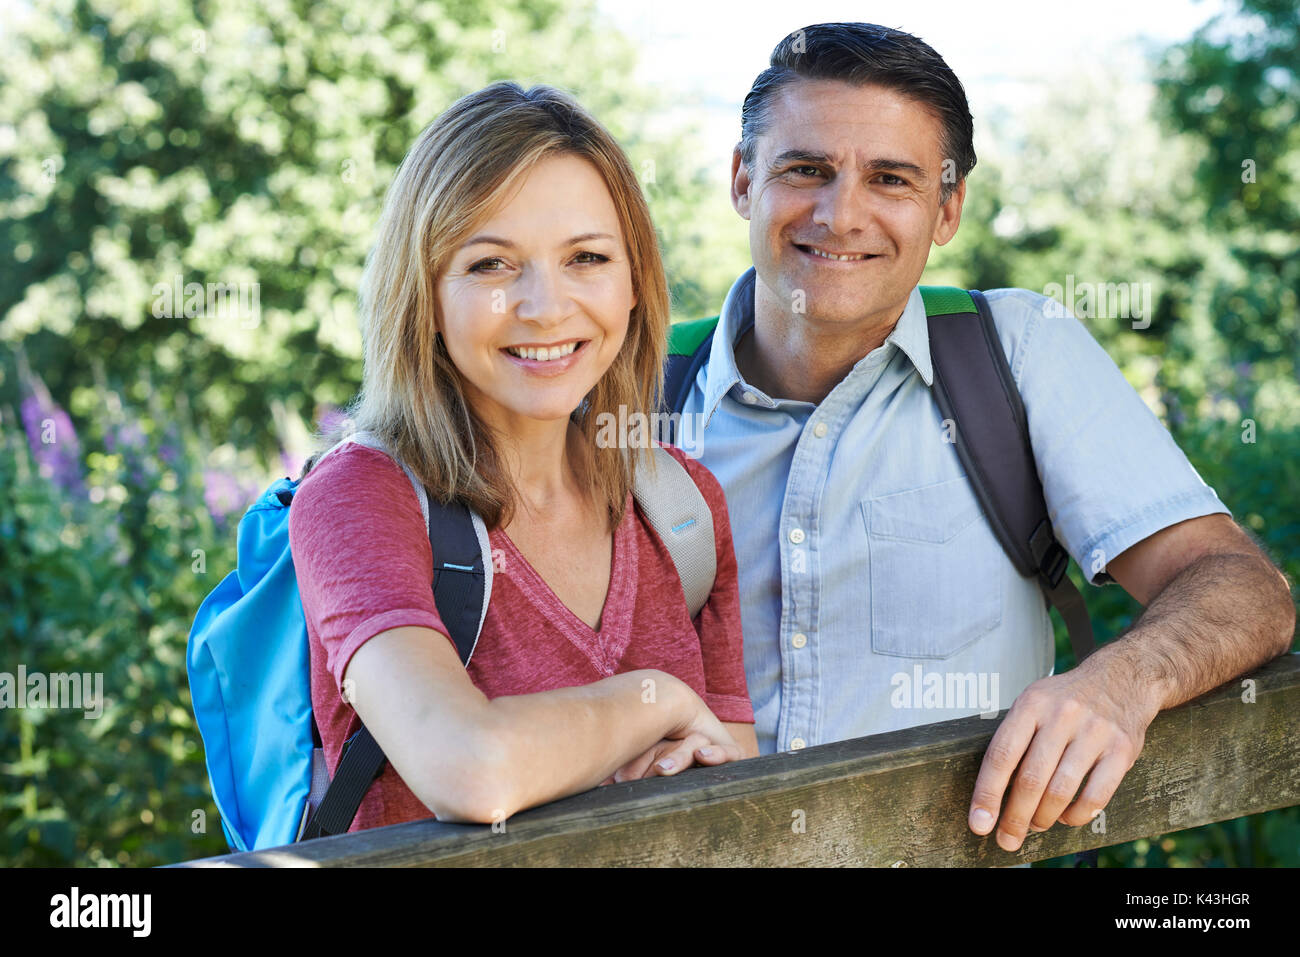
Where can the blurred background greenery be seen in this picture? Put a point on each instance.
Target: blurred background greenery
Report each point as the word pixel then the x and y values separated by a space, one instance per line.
pixel 251 142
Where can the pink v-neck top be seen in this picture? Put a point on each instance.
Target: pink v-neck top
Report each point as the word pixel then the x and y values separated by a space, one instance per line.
pixel 363 562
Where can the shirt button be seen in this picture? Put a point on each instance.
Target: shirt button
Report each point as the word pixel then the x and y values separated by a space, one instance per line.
pixel 819 430
pixel 749 398
pixel 799 639
pixel 796 535
pixel 797 744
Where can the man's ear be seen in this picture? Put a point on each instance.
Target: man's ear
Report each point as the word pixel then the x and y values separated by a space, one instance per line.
pixel 945 226
pixel 739 183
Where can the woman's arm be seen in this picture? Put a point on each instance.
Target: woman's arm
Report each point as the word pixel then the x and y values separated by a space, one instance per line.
pixel 744 734
pixel 468 758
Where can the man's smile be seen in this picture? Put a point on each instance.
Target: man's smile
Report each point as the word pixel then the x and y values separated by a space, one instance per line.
pixel 844 256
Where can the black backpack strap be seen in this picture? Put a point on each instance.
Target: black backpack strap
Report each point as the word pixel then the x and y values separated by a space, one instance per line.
pixel 974 387
pixel 459 593
pixel 459 575
pixel 359 764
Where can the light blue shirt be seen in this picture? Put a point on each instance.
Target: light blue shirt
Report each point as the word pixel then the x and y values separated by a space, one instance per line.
pixel 874 594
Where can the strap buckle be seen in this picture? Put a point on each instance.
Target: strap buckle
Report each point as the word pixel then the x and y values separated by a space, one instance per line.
pixel 1052 560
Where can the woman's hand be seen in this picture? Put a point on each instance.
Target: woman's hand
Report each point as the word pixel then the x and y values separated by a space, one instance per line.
pixel 702 739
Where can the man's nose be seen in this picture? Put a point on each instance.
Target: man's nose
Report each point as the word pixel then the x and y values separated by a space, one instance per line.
pixel 842 206
pixel 543 298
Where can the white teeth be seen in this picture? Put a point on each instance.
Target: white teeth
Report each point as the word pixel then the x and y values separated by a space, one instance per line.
pixel 843 259
pixel 543 353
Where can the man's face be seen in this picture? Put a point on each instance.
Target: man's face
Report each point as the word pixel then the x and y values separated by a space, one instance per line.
pixel 846 171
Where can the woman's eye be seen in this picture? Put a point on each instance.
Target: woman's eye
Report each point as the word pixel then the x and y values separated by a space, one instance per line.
pixel 587 257
pixel 486 265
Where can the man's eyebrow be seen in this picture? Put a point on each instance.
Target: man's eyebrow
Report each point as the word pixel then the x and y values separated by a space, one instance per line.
pixel 802 156
pixel 484 240
pixel 878 165
pixel 882 165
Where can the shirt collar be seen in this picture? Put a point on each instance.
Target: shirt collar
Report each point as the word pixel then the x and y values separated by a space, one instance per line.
pixel 734 321
pixel 911 335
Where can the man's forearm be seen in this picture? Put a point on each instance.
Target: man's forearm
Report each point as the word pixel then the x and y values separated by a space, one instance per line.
pixel 1223 615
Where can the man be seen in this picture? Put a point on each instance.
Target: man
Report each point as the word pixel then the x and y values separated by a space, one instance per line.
pixel 864 555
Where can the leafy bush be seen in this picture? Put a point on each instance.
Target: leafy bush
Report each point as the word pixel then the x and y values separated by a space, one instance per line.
pixel 107 569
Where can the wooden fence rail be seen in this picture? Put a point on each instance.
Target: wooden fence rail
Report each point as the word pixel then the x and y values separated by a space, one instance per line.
pixel 897 799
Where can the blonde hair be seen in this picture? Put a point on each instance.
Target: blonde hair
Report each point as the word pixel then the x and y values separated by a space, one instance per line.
pixel 412 397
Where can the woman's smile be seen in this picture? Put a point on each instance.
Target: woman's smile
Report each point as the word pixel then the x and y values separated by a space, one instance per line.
pixel 543 359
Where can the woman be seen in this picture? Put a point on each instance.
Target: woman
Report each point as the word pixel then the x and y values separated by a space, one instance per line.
pixel 514 294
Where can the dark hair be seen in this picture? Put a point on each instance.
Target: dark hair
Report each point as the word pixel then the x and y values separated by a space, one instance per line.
pixel 862 54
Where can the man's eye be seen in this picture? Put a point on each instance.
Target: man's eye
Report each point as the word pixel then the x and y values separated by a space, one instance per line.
pixel 890 179
pixel 486 265
pixel 805 170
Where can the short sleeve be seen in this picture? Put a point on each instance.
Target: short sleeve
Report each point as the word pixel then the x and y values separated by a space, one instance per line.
pixel 718 623
pixel 1112 474
pixel 361 553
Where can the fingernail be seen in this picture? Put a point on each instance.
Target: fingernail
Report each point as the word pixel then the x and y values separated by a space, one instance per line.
pixel 1008 842
pixel 981 820
pixel 706 752
pixel 667 764
pixel 1036 829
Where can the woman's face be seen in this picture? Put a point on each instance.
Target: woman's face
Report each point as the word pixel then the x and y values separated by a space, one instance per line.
pixel 535 304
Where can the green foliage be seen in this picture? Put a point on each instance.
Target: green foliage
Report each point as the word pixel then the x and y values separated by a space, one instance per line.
pixel 107 583
pixel 251 141
pixel 1236 86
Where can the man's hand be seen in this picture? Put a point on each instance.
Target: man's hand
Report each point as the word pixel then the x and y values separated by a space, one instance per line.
pixel 1062 728
pixel 1215 608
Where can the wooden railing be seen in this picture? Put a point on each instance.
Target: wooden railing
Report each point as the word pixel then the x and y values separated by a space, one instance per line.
pixel 897 799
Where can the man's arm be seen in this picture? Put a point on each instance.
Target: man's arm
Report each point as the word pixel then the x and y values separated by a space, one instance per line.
pixel 1216 607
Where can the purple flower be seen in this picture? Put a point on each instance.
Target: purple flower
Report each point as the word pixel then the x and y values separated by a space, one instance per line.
pixel 291 463
pixel 171 447
pixel 52 439
pixel 130 436
pixel 225 495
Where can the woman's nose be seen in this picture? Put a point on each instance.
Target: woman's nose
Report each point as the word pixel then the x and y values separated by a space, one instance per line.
pixel 543 300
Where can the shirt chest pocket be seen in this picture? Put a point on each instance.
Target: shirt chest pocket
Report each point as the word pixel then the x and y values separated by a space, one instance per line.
pixel 936 570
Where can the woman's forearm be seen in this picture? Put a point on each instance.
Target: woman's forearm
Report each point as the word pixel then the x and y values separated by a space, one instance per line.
pixel 539 747
pixel 470 758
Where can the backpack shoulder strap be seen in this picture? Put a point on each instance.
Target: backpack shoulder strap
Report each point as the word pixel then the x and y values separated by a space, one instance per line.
pixel 688 350
pixel 462 574
pixel 974 387
pixel 675 508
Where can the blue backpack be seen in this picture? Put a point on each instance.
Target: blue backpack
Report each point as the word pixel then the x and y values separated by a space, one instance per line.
pixel 248 662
